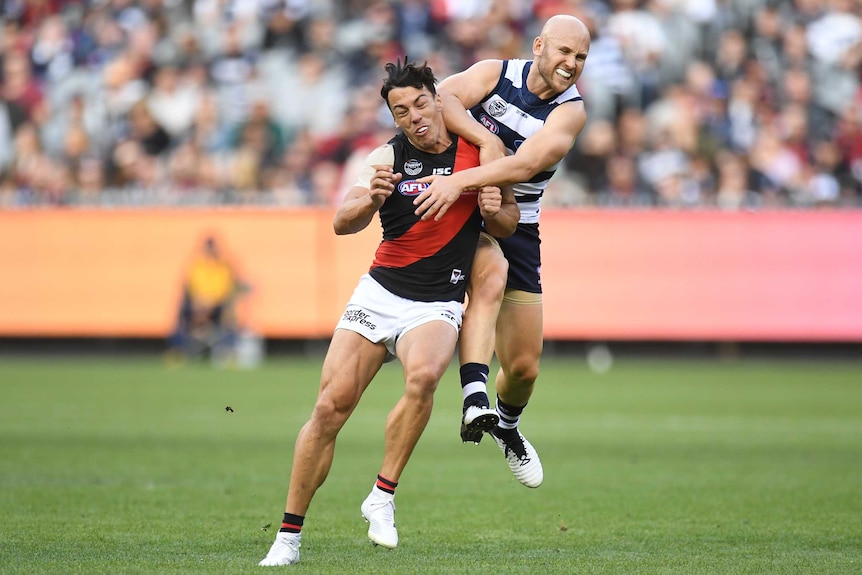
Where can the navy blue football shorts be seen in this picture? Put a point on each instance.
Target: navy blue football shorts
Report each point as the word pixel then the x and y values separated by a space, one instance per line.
pixel 525 261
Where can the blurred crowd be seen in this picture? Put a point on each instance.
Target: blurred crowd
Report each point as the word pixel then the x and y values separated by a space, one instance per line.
pixel 732 104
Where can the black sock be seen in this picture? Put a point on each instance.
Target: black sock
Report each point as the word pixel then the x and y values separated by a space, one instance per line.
pixel 384 484
pixel 474 381
pixel 291 523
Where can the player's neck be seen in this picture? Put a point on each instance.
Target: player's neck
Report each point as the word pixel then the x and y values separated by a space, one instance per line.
pixel 538 86
pixel 441 145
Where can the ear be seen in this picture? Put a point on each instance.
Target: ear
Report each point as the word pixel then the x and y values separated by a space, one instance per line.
pixel 438 101
pixel 538 44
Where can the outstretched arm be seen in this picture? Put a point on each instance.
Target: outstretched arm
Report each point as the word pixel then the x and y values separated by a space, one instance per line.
pixel 539 152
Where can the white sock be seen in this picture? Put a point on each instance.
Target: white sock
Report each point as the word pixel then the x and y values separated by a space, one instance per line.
pixel 283 535
pixel 474 387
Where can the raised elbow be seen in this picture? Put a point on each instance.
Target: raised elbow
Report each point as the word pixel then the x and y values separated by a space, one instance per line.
pixel 503 226
pixel 346 225
pixel 340 227
pixel 507 230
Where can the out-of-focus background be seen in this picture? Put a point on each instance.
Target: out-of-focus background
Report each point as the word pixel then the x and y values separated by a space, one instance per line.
pixel 169 279
pixel 714 195
pixel 731 104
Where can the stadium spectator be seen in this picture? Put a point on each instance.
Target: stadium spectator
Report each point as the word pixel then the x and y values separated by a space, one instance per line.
pixel 823 188
pixel 358 127
pixel 234 73
pixel 291 181
pixel 608 84
pixel 259 134
pixel 803 12
pixel 314 85
pixel 28 168
pixel 144 129
pixel 796 89
pixel 173 100
pixel 848 136
pixel 286 25
pixel 408 306
pixel 733 191
pixel 208 132
pixel 632 132
pixel 417 26
pixel 89 180
pixel 794 49
pixel 623 187
pixel 11 118
pixel 644 44
pixel 52 51
pixel 587 162
pixel 835 43
pixel 21 87
pixel 766 41
pixel 303 56
pixel 680 31
pixel 731 57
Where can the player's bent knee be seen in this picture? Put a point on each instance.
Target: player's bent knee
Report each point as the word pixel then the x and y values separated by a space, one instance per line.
pixel 496 271
pixel 489 287
pixel 524 370
pixel 332 411
pixel 422 383
pixel 494 285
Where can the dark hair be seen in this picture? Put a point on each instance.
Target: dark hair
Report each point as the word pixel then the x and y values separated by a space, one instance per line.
pixel 407 75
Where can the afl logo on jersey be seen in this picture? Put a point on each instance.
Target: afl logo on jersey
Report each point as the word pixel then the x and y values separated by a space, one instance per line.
pixel 490 124
pixel 412 167
pixel 497 106
pixel 411 188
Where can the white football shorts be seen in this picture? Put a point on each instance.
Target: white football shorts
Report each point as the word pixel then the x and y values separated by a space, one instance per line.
pixel 381 316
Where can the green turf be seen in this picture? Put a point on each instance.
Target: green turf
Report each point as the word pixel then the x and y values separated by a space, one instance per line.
pixel 653 468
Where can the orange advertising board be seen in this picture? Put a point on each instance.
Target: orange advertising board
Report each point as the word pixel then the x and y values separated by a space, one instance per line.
pixel 118 273
pixel 792 276
pixel 774 276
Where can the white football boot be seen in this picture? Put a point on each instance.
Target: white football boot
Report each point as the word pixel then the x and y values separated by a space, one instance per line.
pixel 476 421
pixel 285 550
pixel 380 515
pixel 520 455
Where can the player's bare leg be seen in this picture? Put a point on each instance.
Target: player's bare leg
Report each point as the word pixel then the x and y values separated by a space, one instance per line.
pixel 520 339
pixel 476 344
pixel 350 365
pixel 519 349
pixel 425 353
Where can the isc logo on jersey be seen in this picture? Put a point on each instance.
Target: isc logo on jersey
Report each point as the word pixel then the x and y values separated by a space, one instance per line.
pixel 411 188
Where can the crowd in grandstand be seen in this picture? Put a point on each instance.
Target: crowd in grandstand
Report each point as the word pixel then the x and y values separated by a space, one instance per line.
pixel 735 104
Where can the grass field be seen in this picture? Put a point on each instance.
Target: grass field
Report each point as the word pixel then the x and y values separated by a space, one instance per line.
pixel 657 467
